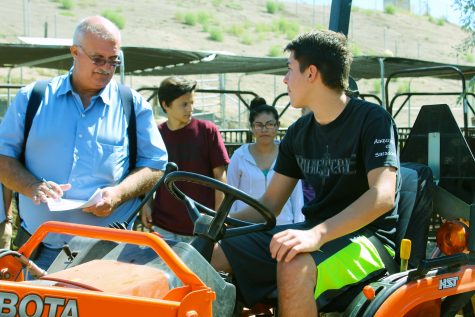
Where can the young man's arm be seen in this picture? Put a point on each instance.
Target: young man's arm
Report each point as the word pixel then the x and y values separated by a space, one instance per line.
pixel 219 173
pixel 274 198
pixel 375 202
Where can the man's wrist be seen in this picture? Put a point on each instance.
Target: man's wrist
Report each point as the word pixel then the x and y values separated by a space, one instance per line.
pixel 32 187
pixel 9 219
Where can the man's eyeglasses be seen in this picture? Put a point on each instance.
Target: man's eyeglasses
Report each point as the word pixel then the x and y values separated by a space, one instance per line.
pixel 101 61
pixel 258 126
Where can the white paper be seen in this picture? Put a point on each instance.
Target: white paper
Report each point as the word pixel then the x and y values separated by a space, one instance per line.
pixel 61 204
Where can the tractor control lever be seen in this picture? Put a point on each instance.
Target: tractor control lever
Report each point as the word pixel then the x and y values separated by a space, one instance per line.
pixel 405 253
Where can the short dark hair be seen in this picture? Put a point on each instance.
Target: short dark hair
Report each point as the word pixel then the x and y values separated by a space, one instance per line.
pixel 328 51
pixel 174 87
pixel 259 105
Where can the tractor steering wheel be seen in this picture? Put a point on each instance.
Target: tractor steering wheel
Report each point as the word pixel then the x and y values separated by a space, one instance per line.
pixel 221 225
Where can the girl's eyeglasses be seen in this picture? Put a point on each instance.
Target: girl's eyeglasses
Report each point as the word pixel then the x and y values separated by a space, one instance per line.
pixel 258 126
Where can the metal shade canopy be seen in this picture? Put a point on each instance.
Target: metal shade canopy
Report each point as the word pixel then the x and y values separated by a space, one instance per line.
pixel 148 61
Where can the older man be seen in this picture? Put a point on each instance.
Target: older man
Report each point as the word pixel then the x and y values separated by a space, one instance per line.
pixel 78 141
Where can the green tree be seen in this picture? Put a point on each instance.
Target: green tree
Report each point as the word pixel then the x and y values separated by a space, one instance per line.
pixel 467 18
pixel 466 9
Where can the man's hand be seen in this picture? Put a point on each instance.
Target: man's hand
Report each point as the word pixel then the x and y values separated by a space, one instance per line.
pixel 146 216
pixel 41 190
pixel 287 244
pixel 111 199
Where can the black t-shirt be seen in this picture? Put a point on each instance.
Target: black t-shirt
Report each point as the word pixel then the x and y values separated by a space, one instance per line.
pixel 335 159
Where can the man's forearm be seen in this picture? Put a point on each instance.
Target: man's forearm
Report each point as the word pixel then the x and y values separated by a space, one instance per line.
pixel 139 182
pixel 15 176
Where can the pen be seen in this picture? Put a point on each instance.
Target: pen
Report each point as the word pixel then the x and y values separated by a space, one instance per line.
pixel 47 184
pixel 53 193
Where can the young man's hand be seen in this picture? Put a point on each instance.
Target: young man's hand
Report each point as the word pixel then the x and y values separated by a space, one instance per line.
pixel 146 216
pixel 285 245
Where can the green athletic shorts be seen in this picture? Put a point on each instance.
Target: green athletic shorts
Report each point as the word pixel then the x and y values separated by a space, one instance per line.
pixel 342 263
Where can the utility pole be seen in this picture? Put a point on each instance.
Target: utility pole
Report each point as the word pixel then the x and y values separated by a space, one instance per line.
pixel 340 16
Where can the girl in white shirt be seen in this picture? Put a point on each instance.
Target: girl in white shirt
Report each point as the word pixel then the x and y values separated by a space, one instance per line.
pixel 252 165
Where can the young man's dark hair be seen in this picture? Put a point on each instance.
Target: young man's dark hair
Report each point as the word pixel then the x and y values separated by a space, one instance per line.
pixel 172 88
pixel 328 51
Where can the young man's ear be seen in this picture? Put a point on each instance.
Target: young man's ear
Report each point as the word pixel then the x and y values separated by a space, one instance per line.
pixel 164 106
pixel 312 72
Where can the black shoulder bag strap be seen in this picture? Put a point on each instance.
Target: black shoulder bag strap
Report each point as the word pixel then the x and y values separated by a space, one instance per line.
pixel 127 101
pixel 36 96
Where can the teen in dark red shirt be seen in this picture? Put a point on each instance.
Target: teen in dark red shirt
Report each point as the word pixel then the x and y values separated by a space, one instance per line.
pixel 195 146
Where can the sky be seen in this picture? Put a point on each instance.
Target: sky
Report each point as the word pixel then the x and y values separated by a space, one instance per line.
pixel 437 8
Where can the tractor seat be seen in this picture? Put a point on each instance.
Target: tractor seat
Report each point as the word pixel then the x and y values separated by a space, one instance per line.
pixel 114 277
pixel 414 210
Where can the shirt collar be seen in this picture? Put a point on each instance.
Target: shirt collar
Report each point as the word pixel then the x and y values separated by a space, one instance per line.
pixel 65 84
pixel 105 94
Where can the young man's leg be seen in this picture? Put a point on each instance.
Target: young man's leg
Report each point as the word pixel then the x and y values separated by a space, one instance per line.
pixel 248 258
pixel 219 260
pixel 315 279
pixel 296 285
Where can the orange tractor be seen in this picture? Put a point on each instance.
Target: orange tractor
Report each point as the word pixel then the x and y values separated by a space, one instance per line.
pixel 113 272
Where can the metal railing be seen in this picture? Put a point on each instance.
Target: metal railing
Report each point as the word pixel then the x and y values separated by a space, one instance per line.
pixel 429 71
pixel 234 138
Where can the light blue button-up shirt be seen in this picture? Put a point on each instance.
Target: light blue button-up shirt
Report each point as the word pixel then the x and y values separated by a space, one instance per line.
pixel 87 148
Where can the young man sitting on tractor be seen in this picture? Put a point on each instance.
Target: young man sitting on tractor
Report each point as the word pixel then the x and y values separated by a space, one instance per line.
pixel 346 149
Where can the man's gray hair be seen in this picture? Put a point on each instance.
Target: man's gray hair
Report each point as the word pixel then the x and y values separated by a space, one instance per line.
pixel 98 26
